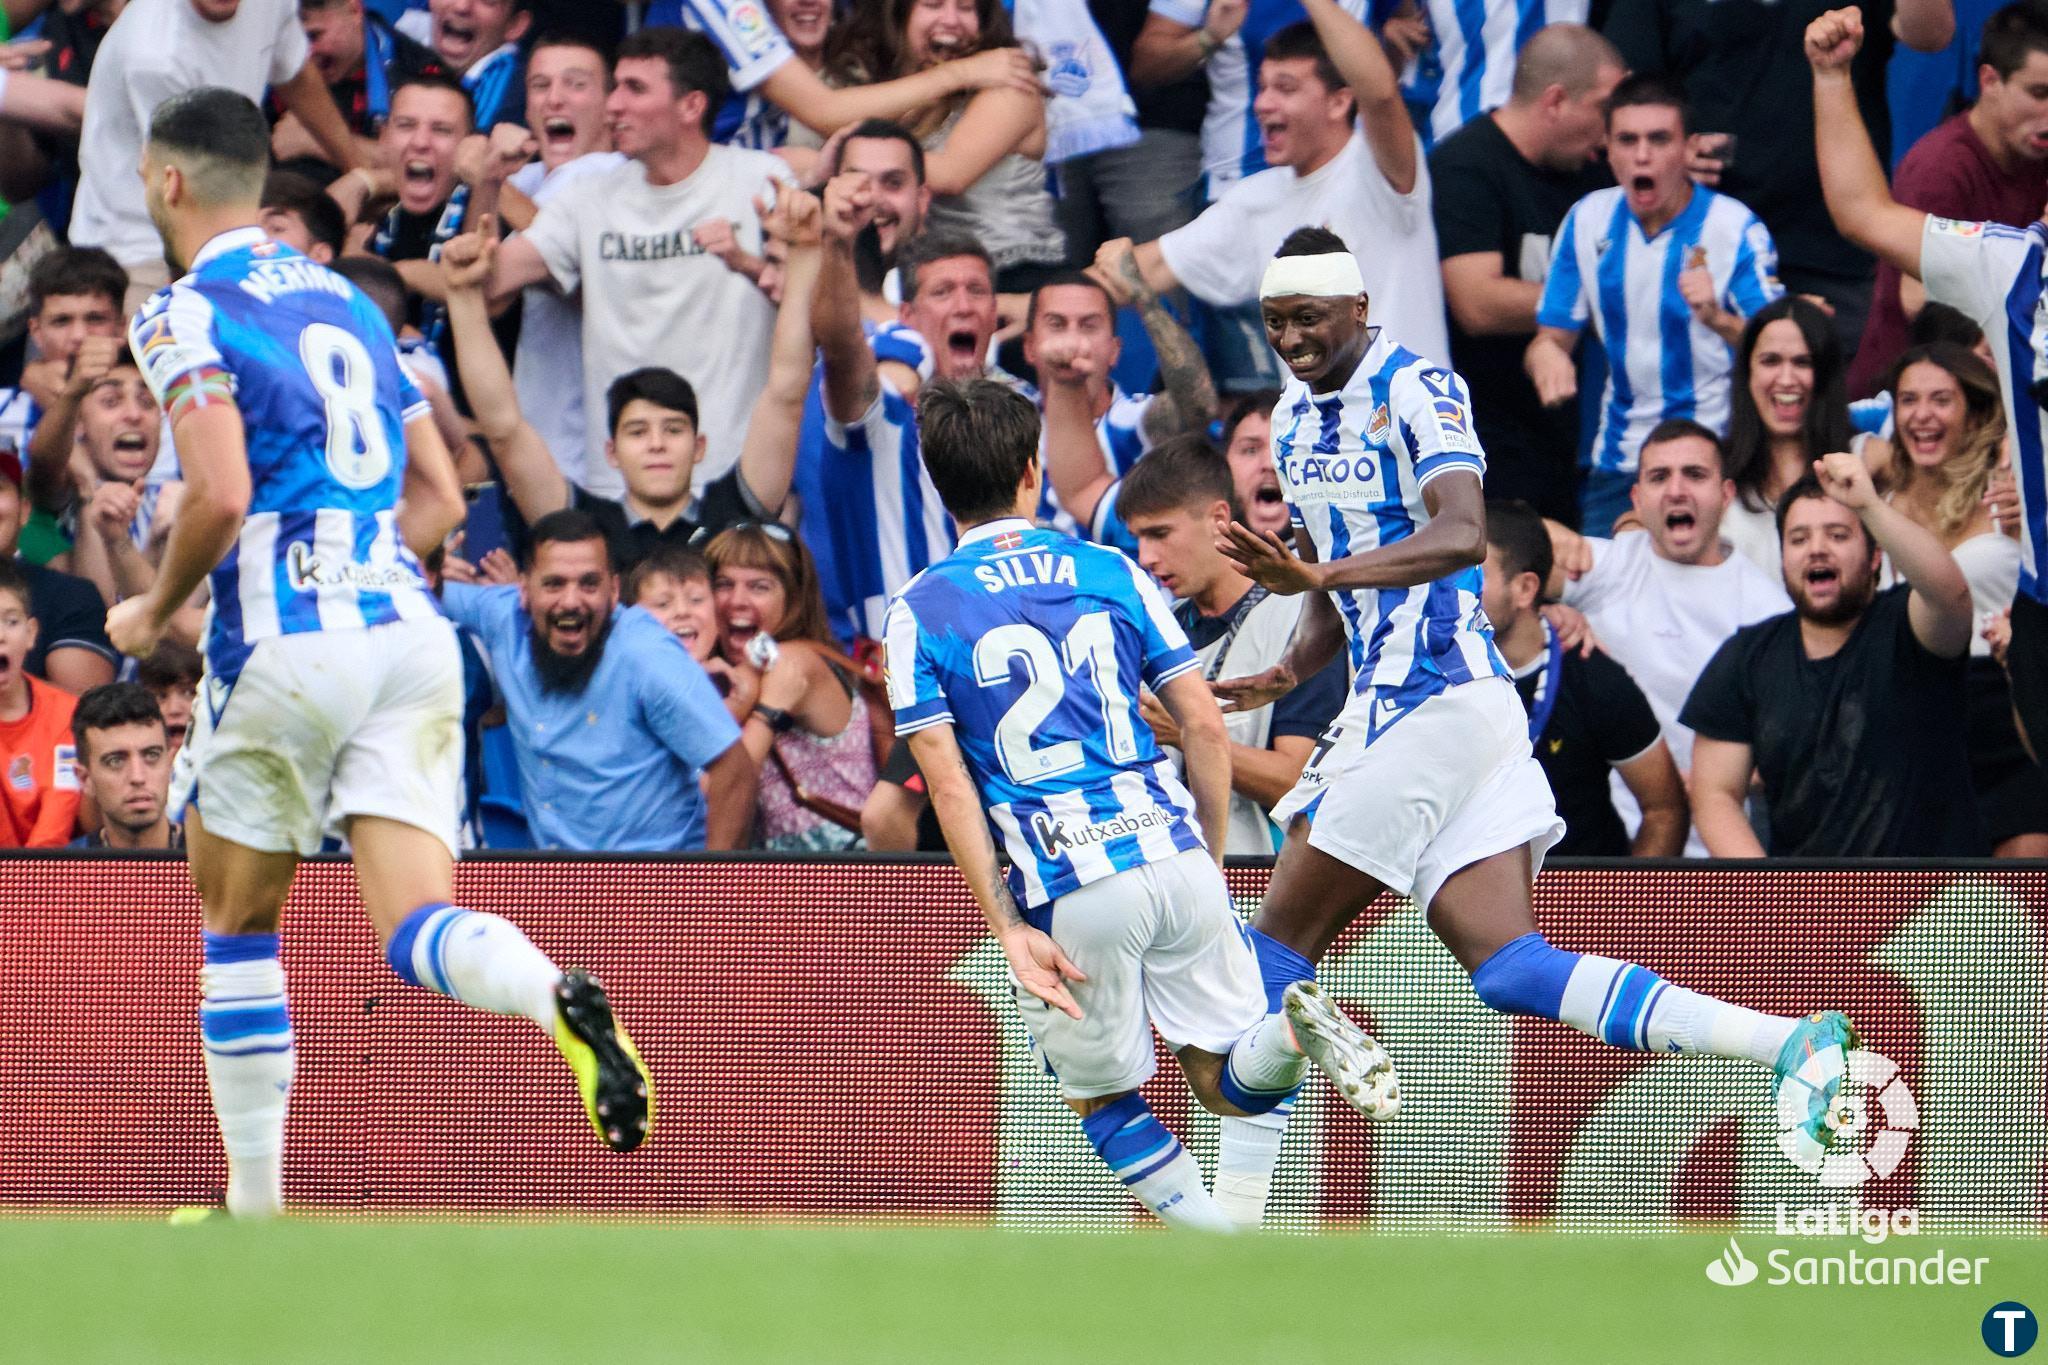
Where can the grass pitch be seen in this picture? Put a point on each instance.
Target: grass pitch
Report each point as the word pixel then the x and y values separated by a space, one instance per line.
pixel 317 1290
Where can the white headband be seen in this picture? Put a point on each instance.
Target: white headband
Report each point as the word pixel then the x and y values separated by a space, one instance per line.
pixel 1333 274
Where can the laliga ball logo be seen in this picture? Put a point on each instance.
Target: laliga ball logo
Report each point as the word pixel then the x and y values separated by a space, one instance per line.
pixel 1872 1122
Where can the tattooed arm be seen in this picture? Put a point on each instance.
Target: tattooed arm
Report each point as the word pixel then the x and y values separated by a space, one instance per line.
pixel 1187 401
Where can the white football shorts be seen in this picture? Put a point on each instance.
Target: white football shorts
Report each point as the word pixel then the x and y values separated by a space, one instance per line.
pixel 1159 943
pixel 1447 783
pixel 325 725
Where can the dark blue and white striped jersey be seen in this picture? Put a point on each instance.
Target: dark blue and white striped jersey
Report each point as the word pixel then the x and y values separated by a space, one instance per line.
pixel 1353 465
pixel 1034 647
pixel 1662 362
pixel 314 370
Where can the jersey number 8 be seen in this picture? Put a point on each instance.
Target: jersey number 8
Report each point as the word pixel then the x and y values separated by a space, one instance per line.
pixel 1091 643
pixel 358 449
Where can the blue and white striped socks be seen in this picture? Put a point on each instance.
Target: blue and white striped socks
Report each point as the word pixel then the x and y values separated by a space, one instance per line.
pixel 480 959
pixel 1153 1165
pixel 247 1033
pixel 1623 1004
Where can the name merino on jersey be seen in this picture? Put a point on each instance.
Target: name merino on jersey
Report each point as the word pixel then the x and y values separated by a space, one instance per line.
pixel 312 366
pixel 1035 647
pixel 1353 465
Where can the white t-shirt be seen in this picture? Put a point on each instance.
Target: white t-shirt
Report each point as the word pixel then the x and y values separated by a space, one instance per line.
pixel 1662 621
pixel 651 296
pixel 1223 253
pixel 551 344
pixel 157 49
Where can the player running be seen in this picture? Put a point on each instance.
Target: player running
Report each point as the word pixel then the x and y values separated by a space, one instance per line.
pixel 332 699
pixel 1015 666
pixel 1425 783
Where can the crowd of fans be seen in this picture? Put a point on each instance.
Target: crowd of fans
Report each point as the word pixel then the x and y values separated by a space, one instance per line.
pixel 672 275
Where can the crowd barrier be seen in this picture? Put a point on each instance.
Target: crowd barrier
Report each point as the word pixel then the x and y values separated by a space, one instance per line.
pixel 834 1039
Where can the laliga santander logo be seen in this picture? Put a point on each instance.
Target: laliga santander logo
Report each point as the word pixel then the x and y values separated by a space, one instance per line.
pixel 1873 1117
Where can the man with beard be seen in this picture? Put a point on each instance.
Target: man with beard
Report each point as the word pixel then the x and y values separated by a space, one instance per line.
pixel 1851 706
pixel 613 722
pixel 1662 599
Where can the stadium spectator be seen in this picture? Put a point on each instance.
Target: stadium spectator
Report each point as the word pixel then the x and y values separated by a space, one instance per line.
pixel 70 649
pixel 673 585
pixel 1936 469
pixel 160 48
pixel 363 59
pixel 1785 410
pixel 982 150
pixel 1588 721
pixel 566 84
pixel 1503 184
pixel 1986 164
pixel 613 723
pixel 892 159
pixel 39 804
pixel 1742 75
pixel 1073 317
pixel 1989 272
pixel 1248 445
pixel 477 42
pixel 74 294
pixel 421 164
pixel 813 727
pixel 1664 598
pixel 74 324
pixel 651 294
pixel 1467 67
pixel 898 815
pixel 1177 502
pixel 658 433
pixel 1146 189
pixel 1851 707
pixel 299 213
pixel 886 524
pixel 172 675
pixel 1668 322
pixel 118 528
pixel 1367 183
pixel 124 758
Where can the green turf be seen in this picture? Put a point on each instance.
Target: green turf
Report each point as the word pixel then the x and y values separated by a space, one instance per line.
pixel 388 1292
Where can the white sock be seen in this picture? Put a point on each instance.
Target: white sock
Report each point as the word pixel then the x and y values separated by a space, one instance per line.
pixel 1153 1165
pixel 1246 1155
pixel 1267 1058
pixel 481 959
pixel 1175 1192
pixel 1631 1006
pixel 249 1062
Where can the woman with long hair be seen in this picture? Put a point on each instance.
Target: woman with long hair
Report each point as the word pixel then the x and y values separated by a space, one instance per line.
pixel 982 150
pixel 1787 408
pixel 811 728
pixel 1947 445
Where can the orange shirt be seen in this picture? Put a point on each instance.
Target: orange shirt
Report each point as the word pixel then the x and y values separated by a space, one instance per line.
pixel 39 772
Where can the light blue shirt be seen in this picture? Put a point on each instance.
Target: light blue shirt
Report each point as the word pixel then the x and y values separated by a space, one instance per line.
pixel 611 768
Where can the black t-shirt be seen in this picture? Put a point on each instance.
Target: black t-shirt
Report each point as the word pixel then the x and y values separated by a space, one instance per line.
pixel 1306 711
pixel 1179 106
pixel 1488 197
pixel 1864 754
pixel 69 612
pixel 1743 65
pixel 1600 718
pixel 723 503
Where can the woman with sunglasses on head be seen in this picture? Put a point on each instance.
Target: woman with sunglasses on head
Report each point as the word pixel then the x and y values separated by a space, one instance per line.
pixel 811 729
pixel 1947 445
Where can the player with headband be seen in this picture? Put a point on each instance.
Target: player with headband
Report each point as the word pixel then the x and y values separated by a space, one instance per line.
pixel 1425 784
